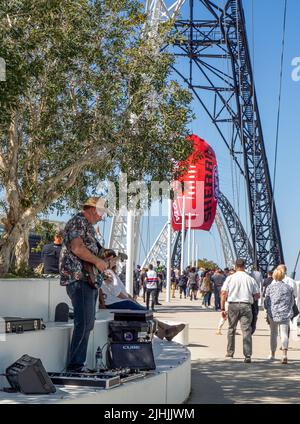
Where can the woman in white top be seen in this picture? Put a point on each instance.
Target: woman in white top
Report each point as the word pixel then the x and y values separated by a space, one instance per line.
pixel 279 305
pixel 115 295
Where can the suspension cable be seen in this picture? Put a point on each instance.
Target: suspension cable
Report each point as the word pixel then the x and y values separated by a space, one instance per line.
pixel 253 123
pixel 279 108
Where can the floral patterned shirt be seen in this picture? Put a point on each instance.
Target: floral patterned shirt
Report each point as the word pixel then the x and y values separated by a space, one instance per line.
pixel 279 301
pixel 70 266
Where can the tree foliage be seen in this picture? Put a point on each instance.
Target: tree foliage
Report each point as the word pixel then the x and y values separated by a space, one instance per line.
pixel 206 264
pixel 86 96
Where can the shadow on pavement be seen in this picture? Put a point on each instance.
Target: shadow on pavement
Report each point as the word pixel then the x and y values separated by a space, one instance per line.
pixel 233 381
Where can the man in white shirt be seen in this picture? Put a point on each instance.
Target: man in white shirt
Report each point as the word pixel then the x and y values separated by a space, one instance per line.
pixel 151 287
pixel 240 290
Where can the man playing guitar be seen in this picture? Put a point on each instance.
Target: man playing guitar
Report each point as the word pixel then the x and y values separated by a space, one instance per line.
pixel 80 257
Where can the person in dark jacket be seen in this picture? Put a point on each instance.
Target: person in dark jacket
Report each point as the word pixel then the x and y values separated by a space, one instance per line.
pixel 50 255
pixel 267 282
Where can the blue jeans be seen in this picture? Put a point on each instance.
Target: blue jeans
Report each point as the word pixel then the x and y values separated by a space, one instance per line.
pixel 83 299
pixel 217 291
pixel 152 293
pixel 126 304
pixel 206 299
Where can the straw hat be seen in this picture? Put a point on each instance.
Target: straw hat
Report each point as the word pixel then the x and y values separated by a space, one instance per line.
pixel 97 202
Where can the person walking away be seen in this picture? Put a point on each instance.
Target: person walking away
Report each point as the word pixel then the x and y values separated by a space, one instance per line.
pixel 256 274
pixel 50 255
pixel 192 284
pixel 173 283
pixel 80 248
pixel 206 289
pixel 240 290
pixel 288 280
pixel 279 305
pixel 136 282
pixel 218 279
pixel 143 276
pixel 182 285
pixel 267 282
pixel 224 319
pixel 151 285
pixel 177 275
pixel 159 273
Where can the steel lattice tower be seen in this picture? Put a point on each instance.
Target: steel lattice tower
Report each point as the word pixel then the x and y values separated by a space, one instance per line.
pixel 209 35
pixel 204 44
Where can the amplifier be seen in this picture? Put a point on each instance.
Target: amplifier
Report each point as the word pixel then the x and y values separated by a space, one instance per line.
pixel 28 376
pixel 135 356
pixel 127 315
pixel 131 331
pixel 19 325
pixel 100 380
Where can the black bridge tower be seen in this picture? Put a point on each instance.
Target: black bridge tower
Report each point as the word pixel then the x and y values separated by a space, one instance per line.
pixel 213 37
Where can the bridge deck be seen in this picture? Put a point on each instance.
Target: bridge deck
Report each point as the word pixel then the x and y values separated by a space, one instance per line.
pixel 216 380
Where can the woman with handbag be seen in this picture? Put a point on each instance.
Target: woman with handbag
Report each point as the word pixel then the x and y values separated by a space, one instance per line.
pixel 279 303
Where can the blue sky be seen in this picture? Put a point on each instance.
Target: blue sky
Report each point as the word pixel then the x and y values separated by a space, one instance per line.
pixel 267 35
pixel 265 38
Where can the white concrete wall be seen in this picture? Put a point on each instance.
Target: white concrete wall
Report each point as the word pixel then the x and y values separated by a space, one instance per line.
pixel 31 297
pixel 37 298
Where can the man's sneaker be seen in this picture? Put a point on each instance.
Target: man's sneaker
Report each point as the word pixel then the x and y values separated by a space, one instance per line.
pixel 271 357
pixel 218 333
pixel 229 355
pixel 173 331
pixel 284 360
pixel 247 360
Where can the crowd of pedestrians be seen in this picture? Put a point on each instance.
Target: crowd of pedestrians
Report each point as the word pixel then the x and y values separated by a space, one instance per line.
pixel 236 295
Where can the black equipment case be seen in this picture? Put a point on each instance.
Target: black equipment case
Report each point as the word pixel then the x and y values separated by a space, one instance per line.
pixel 127 315
pixel 19 325
pixel 131 331
pixel 100 380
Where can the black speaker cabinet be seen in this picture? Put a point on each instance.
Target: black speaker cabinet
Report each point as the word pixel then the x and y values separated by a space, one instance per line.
pixel 135 356
pixel 130 331
pixel 28 376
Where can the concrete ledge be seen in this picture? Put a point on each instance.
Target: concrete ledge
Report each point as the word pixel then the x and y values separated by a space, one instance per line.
pixel 169 383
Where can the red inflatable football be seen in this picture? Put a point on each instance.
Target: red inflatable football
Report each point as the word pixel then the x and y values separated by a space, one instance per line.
pixel 201 188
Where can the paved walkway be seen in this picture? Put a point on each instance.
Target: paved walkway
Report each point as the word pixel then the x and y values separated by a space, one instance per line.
pixel 219 380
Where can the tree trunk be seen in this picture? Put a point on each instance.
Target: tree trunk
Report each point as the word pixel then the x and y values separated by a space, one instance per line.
pixel 22 250
pixel 15 236
pixel 6 253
